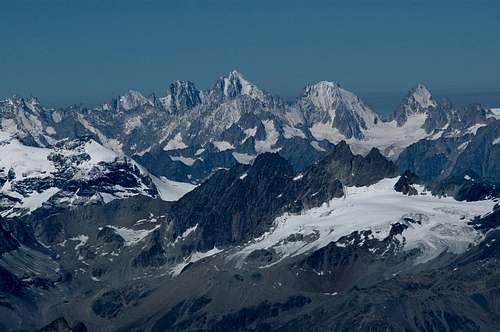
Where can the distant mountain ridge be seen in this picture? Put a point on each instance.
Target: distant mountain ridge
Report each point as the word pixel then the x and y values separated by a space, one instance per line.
pixel 188 133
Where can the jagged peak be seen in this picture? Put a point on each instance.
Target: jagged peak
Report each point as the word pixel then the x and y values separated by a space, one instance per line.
pixel 233 85
pixel 132 99
pixel 341 148
pixel 18 101
pixel 15 99
pixel 421 94
pixel 419 100
pixel 322 84
pixel 181 84
pixel 235 74
pixel 182 95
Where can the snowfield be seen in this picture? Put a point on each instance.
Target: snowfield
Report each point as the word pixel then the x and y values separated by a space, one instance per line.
pixel 443 222
pixel 22 165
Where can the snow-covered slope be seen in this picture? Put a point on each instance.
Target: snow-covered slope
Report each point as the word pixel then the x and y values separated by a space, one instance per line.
pixel 434 224
pixel 71 173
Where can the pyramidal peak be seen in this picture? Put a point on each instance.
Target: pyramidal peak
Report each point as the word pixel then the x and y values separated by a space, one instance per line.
pixel 422 96
pixel 233 85
pixel 419 100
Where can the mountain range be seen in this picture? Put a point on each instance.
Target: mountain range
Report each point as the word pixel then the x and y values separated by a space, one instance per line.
pixel 230 209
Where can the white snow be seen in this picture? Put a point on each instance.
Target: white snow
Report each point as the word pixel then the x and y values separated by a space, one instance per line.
pixel 444 222
pixel 327 97
pixel 496 141
pixel 463 146
pixel 82 240
pixel 171 190
pixel 272 136
pixel 326 131
pixel 132 100
pixel 36 200
pixel 194 257
pixel 494 113
pixel 317 147
pixel 186 233
pixel 249 132
pixel 386 136
pixel 290 132
pixel 423 97
pixel 223 145
pixel 56 116
pixel 131 124
pixel 244 175
pixel 199 152
pixel 99 153
pixel 473 129
pixel 243 158
pixel 175 144
pixel 143 152
pixel 132 236
pixel 185 160
pixel 247 88
pixel 26 161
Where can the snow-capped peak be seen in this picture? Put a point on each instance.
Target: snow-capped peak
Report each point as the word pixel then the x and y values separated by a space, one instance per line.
pixel 327 102
pixel 234 85
pixel 133 99
pixel 422 96
pixel 419 100
pixel 323 95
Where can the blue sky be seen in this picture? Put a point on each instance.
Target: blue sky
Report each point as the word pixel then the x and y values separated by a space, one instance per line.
pixel 87 51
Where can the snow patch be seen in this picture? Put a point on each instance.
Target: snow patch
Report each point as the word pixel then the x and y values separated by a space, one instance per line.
pixel 132 236
pixel 290 132
pixel 473 129
pixel 194 257
pixel 223 145
pixel 272 136
pixel 175 144
pixel 185 160
pixel 171 190
pixel 82 240
pixel 494 113
pixel 243 158
pixel 317 147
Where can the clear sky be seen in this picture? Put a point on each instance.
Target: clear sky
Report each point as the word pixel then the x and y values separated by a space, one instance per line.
pixel 87 51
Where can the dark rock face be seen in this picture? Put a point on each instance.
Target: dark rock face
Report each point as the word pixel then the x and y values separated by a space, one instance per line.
pixel 453 156
pixel 357 259
pixel 481 155
pixel 405 182
pixel 234 205
pixel 10 284
pixel 182 316
pixel 427 159
pixel 111 303
pixel 154 254
pixel 58 325
pixel 184 95
pixel 488 222
pixel 7 241
pixel 353 170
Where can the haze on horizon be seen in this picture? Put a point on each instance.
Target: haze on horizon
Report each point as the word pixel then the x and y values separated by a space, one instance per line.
pixel 68 52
